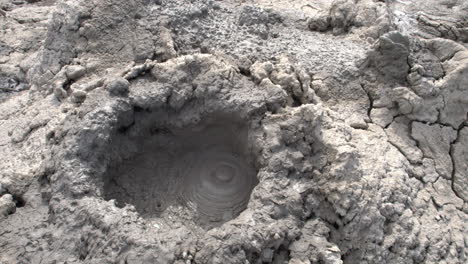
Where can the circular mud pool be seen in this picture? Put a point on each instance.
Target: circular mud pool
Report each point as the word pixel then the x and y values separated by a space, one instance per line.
pixel 202 173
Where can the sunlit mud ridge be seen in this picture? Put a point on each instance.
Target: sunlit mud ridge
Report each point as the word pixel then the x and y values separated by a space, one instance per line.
pixel 285 132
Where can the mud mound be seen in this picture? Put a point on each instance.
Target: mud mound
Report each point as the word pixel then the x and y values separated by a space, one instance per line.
pixel 192 132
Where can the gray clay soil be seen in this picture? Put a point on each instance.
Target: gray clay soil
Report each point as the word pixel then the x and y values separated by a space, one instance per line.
pixel 237 131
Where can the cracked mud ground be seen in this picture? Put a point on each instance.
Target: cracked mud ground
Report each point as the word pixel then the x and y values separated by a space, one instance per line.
pixel 280 131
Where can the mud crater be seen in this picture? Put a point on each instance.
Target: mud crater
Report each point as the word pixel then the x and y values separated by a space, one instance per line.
pixel 202 173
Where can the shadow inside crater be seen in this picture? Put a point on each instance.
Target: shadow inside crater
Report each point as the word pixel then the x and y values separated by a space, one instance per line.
pixel 202 173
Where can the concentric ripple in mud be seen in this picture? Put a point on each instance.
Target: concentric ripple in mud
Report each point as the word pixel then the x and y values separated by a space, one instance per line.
pixel 217 183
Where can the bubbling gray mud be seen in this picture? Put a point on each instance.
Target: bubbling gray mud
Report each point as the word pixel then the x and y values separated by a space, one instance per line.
pixel 199 173
pixel 217 184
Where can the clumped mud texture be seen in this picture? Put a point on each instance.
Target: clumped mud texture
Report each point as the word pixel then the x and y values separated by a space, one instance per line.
pixel 233 131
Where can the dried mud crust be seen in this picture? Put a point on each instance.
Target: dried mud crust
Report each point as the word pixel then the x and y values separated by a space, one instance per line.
pixel 233 132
